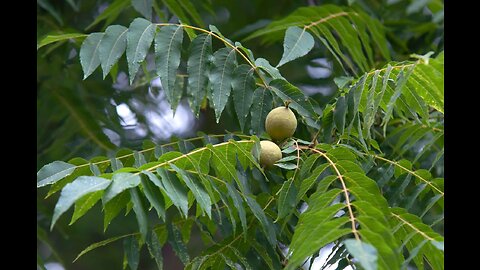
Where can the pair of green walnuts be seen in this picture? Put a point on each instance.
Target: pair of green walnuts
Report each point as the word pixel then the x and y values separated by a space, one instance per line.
pixel 280 124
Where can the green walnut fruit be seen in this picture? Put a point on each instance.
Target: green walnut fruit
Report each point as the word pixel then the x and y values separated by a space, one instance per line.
pixel 280 123
pixel 269 153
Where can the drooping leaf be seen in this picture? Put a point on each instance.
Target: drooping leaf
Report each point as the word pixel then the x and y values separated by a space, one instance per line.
pixel 140 35
pixel 139 210
pixel 297 43
pixel 53 172
pixel 286 199
pixel 132 252
pixel 340 113
pixel 221 78
pixel 155 248
pixel 154 196
pixel 174 190
pixel 112 47
pixel 168 46
pixel 198 191
pixel 238 203
pixel 90 53
pixel 243 86
pixel 197 68
pixel 267 225
pixel 76 190
pixel 261 106
pixel 175 240
pixel 113 208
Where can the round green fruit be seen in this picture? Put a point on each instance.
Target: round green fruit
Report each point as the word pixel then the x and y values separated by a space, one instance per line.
pixel 269 153
pixel 280 123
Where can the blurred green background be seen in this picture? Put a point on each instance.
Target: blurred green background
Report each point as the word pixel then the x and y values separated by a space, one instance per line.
pixel 87 118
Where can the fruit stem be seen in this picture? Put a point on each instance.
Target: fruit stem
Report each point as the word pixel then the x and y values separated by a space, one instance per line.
pixel 287 102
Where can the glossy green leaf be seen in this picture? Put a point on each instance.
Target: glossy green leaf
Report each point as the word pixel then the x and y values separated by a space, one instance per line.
pixel 297 43
pixel 120 182
pixel 76 190
pixel 53 172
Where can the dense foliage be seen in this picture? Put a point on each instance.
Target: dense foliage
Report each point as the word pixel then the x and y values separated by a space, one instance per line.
pixel 360 182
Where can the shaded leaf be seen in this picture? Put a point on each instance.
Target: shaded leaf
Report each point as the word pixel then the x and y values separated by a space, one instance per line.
pixel 139 210
pixel 84 204
pixel 200 194
pixel 144 7
pixel 286 199
pixel 261 106
pixel 174 190
pixel 132 251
